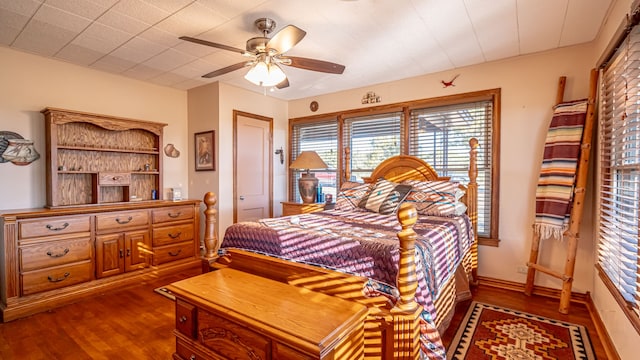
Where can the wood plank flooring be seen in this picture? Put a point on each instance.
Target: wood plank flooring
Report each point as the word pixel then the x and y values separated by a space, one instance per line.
pixel 136 323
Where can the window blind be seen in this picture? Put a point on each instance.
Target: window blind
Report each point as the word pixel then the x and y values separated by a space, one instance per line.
pixel 371 140
pixel 619 181
pixel 440 136
pixel 321 137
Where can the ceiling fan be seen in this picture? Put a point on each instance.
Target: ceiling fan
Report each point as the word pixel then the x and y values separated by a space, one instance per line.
pixel 267 54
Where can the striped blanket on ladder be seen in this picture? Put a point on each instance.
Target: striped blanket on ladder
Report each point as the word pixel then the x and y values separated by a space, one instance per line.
pixel 554 193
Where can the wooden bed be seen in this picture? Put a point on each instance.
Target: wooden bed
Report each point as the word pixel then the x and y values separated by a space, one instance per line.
pixel 392 331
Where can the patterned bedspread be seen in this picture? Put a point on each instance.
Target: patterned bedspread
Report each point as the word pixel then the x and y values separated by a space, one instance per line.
pixel 364 244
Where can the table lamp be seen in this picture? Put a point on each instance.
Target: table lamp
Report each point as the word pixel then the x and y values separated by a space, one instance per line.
pixel 308 183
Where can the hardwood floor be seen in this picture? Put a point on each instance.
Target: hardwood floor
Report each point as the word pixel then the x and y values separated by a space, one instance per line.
pixel 136 323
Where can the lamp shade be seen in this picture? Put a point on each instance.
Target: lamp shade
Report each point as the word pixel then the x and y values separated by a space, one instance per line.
pixel 308 160
pixel 265 74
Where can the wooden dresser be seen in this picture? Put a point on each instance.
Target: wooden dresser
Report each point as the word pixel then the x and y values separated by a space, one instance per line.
pixel 229 314
pixel 50 257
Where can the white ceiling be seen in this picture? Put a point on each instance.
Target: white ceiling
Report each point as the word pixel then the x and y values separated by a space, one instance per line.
pixel 377 40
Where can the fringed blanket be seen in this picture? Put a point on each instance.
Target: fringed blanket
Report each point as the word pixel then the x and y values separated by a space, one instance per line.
pixel 559 166
pixel 365 244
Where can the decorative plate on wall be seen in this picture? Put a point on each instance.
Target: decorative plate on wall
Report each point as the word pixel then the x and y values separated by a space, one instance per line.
pixel 4 137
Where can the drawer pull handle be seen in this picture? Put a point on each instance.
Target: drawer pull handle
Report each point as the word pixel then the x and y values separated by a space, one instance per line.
pixel 176 235
pixel 192 357
pixel 176 253
pixel 183 319
pixel 174 215
pixel 122 222
pixel 66 275
pixel 116 178
pixel 121 253
pixel 65 252
pixel 128 252
pixel 64 226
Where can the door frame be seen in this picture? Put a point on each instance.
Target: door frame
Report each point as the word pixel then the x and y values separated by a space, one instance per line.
pixel 237 113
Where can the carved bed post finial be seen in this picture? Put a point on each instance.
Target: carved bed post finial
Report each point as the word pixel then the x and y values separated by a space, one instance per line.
pixel 347 164
pixel 210 237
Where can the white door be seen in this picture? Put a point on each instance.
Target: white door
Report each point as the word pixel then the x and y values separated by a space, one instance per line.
pixel 252 167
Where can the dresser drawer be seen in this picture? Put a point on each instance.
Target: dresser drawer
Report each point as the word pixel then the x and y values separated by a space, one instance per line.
pixel 186 319
pixel 189 351
pixel 54 253
pixel 114 179
pixel 56 277
pixel 168 253
pixel 172 234
pixel 54 226
pixel 173 213
pixel 122 220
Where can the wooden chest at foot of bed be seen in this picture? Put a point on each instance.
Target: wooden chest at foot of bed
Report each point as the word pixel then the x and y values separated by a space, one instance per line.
pixel 229 314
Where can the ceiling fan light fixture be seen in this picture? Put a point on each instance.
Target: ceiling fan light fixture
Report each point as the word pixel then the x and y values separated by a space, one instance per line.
pixel 263 74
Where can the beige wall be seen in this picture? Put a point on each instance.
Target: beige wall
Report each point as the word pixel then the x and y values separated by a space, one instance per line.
pixel 211 107
pixel 30 83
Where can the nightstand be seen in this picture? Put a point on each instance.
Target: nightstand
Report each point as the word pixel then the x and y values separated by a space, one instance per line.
pixel 296 208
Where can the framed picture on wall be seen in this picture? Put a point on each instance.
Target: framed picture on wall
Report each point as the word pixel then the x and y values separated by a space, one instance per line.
pixel 204 150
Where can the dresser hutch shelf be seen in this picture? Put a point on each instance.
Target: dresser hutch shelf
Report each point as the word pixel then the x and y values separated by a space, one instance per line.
pixel 97 159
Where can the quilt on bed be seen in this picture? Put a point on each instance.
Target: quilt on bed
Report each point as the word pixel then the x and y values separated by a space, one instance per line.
pixel 365 244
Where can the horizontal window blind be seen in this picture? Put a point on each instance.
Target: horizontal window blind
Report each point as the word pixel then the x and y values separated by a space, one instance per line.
pixel 619 183
pixel 440 136
pixel 371 140
pixel 321 137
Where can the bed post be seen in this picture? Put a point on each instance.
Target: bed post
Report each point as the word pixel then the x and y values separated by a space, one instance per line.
pixel 406 312
pixel 472 203
pixel 211 243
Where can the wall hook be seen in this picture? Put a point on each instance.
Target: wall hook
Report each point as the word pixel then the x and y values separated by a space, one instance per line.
pixel 281 153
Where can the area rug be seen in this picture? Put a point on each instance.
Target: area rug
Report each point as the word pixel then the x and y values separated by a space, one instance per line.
pixel 493 332
pixel 165 292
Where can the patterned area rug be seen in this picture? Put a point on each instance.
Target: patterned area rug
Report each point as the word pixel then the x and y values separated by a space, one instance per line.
pixel 165 292
pixel 492 332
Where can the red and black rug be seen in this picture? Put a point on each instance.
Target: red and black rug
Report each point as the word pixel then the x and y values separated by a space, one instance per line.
pixel 493 332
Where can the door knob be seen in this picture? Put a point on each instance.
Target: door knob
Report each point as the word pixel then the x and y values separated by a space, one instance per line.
pixel 241 197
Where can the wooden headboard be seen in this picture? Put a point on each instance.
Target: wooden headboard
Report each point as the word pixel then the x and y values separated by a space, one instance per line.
pixel 404 167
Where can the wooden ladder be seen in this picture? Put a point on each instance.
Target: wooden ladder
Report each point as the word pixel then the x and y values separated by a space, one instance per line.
pixel 576 211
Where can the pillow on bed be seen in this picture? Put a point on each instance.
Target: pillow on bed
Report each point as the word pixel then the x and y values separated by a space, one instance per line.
pixel 436 198
pixel 385 197
pixel 350 195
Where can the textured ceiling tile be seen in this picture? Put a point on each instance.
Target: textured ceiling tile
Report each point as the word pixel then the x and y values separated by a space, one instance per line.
pixel 533 36
pixel 142 72
pixel 42 38
pixel 22 7
pixel 231 8
pixel 101 38
pixel 11 24
pixel 137 50
pixel 192 20
pixel 141 10
pixel 112 64
pixel 87 9
pixel 189 84
pixel 498 39
pixel 579 22
pixel 170 6
pixel 79 55
pixel 168 60
pixel 168 79
pixel 123 22
pixel 161 37
pixel 194 69
pixel 61 19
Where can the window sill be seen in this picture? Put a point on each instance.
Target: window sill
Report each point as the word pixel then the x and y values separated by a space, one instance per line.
pixel 489 242
pixel 624 305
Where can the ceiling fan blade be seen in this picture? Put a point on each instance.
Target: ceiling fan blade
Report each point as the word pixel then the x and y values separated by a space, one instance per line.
pixel 314 65
pixel 227 69
pixel 212 44
pixel 286 38
pixel 283 84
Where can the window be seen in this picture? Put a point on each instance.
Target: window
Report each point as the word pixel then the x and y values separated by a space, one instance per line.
pixel 437 130
pixel 619 180
pixel 321 137
pixel 371 140
pixel 440 136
